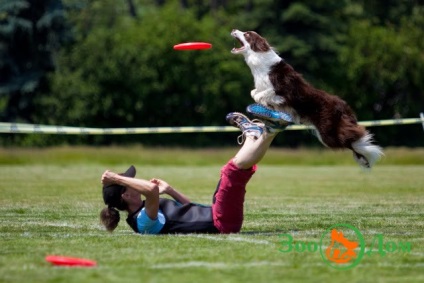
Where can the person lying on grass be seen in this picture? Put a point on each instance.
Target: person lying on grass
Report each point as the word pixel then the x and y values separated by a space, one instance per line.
pixel 155 215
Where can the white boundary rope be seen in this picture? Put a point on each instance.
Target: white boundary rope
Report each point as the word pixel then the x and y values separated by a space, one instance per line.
pixel 20 128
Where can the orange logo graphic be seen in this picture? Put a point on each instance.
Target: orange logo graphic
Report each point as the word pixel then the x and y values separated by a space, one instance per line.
pixel 341 250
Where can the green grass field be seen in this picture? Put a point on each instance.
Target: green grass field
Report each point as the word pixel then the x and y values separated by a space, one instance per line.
pixel 50 201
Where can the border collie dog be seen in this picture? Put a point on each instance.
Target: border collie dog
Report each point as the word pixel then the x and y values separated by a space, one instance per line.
pixel 279 87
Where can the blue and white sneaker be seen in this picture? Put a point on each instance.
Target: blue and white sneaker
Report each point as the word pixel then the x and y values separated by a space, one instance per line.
pixel 249 128
pixel 277 120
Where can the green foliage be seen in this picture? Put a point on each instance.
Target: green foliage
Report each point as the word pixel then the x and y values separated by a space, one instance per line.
pixel 128 74
pixel 30 33
pixel 121 70
pixel 390 11
pixel 386 64
pixel 384 73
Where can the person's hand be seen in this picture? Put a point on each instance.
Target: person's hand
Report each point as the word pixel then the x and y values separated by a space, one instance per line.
pixel 164 187
pixel 108 178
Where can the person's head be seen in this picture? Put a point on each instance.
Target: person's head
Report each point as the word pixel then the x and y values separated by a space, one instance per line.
pixel 114 196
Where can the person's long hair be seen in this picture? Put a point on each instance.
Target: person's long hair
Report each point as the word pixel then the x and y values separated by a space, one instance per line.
pixel 109 216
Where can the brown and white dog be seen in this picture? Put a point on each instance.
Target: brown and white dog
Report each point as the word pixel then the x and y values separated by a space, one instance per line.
pixel 280 87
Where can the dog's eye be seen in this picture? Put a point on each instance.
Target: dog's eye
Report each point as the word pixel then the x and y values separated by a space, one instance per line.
pixel 246 34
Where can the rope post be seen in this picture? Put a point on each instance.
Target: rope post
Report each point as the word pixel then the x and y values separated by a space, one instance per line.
pixel 422 119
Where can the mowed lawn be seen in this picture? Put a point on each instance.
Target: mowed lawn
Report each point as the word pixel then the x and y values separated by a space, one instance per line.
pixel 50 202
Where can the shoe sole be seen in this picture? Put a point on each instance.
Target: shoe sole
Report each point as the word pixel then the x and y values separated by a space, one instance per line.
pixel 261 111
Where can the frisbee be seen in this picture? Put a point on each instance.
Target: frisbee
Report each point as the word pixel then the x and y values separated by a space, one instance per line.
pixel 70 261
pixel 193 46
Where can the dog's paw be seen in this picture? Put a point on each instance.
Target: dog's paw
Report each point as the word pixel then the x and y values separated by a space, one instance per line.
pixel 263 95
pixel 253 93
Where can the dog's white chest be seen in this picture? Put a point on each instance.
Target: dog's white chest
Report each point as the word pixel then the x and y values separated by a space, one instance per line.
pixel 264 90
pixel 260 65
pixel 262 81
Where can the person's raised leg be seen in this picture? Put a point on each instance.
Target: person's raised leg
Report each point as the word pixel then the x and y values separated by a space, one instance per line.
pixel 257 136
pixel 229 196
pixel 253 150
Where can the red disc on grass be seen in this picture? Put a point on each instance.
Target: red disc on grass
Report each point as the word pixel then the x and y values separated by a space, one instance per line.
pixel 193 46
pixel 70 261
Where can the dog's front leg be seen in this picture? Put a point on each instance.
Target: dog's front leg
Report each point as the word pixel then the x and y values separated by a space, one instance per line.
pixel 267 97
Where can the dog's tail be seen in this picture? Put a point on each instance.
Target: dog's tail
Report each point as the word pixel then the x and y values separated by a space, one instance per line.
pixel 365 153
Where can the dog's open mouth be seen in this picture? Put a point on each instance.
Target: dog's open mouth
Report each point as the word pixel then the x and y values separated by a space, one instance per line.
pixel 239 48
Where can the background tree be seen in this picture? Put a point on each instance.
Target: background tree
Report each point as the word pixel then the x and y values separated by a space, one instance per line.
pixel 384 73
pixel 120 69
pixel 30 33
pixel 127 73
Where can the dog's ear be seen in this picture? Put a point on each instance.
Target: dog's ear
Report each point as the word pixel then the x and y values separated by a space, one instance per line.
pixel 259 44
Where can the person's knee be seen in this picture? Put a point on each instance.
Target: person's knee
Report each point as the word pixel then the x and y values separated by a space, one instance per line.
pixel 243 163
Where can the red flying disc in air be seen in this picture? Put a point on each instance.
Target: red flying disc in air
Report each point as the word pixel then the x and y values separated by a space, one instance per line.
pixel 70 261
pixel 192 46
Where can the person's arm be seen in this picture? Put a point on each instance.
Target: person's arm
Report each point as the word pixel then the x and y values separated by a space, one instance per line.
pixel 148 189
pixel 165 188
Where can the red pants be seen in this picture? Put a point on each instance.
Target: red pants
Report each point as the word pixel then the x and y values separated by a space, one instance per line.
pixel 228 200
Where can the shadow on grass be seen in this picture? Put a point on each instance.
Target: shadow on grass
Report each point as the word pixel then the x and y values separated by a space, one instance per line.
pixel 264 233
